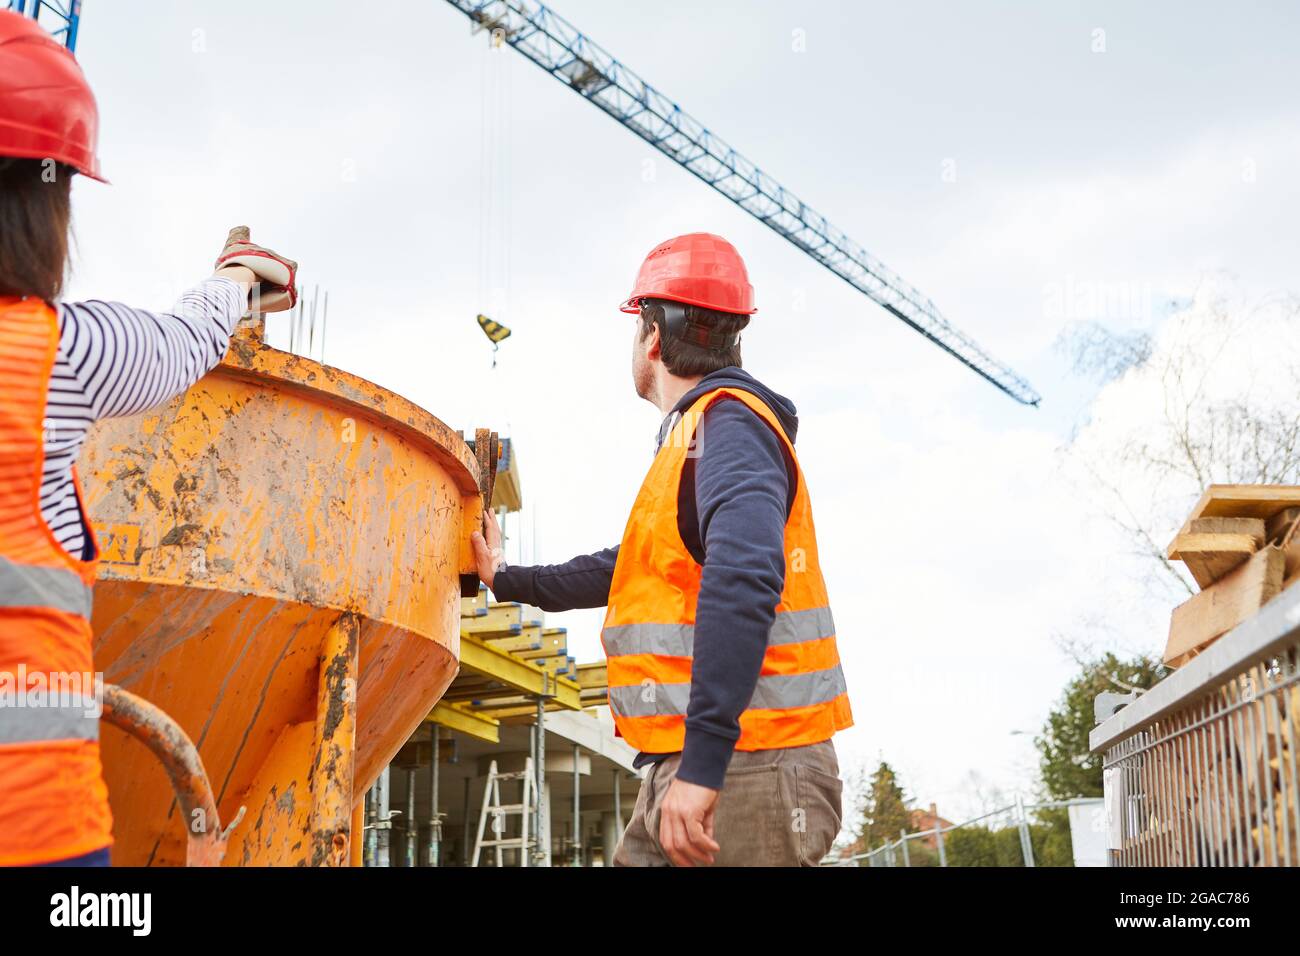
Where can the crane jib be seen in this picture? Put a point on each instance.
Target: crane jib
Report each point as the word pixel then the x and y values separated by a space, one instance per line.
pixel 555 45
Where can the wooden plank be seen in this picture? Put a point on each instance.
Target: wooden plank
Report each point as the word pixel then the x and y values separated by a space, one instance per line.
pixel 1211 556
pixel 1281 524
pixel 1224 604
pixel 1253 527
pixel 1284 530
pixel 1246 501
pixel 1291 552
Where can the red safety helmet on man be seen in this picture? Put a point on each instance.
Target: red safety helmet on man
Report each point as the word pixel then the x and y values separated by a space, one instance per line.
pixel 47 110
pixel 698 268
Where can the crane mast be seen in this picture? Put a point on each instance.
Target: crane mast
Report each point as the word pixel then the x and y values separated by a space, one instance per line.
pixel 555 45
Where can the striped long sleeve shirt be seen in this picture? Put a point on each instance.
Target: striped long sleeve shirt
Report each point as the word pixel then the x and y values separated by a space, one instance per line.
pixel 114 361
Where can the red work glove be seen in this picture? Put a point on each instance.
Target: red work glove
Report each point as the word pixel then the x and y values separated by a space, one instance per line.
pixel 277 276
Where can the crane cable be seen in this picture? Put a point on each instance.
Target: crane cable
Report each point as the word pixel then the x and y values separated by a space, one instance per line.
pixel 495 194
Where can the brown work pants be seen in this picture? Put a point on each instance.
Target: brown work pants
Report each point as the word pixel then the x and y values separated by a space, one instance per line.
pixel 778 808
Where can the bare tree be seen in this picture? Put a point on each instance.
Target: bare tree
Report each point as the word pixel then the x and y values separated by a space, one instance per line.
pixel 1209 399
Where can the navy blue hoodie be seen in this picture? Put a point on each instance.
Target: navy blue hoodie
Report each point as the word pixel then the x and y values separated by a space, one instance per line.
pixel 733 502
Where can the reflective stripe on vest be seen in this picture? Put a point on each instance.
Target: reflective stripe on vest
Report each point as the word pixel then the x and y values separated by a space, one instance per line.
pixel 678 640
pixel 60 589
pixel 30 724
pixel 773 692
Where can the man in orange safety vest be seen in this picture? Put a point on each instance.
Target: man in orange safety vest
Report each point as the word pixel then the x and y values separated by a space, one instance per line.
pixel 722 662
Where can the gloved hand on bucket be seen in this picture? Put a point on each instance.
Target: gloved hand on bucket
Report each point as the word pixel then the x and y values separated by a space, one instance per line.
pixel 277 276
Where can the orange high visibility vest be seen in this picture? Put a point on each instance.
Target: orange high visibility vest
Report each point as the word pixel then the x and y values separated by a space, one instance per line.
pixel 53 801
pixel 649 632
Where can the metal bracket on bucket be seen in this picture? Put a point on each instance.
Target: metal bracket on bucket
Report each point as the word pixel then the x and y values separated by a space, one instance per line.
pixel 180 758
pixel 487 449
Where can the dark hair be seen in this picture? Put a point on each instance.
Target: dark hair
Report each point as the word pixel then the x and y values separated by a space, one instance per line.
pixel 687 359
pixel 35 210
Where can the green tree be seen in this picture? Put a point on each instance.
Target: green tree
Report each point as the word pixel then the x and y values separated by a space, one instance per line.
pixel 884 811
pixel 982 846
pixel 1050 838
pixel 1069 769
pixel 971 846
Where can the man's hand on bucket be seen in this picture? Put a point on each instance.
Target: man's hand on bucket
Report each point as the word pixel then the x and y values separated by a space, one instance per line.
pixel 488 555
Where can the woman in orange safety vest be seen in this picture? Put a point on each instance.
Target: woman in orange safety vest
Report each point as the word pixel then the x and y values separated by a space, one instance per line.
pixel 62 366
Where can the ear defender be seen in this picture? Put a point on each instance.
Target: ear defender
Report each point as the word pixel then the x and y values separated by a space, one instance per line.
pixel 678 321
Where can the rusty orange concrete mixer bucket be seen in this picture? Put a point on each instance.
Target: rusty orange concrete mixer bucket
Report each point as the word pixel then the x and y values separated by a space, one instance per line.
pixel 282 537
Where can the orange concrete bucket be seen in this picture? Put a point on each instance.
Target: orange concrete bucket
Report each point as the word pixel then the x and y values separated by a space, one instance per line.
pixel 283 555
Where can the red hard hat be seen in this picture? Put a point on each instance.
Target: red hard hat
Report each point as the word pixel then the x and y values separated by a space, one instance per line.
pixel 697 269
pixel 46 108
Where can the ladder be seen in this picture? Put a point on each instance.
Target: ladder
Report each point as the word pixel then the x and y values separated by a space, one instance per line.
pixel 499 812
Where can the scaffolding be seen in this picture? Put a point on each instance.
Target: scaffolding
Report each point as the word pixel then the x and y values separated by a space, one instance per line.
pixel 518 684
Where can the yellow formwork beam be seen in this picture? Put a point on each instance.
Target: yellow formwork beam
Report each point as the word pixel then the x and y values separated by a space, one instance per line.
pixel 480 696
pixel 593 676
pixel 594 680
pixel 502 619
pixel 529 638
pixel 518 707
pixel 466 721
pixel 473 607
pixel 548 648
pixel 554 663
pixel 524 715
pixel 482 658
pixel 550 644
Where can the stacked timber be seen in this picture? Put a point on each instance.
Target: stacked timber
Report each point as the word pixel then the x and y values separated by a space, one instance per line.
pixel 1242 547
pixel 1226 778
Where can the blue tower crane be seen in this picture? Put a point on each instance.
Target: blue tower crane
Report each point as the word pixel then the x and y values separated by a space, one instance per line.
pixel 555 45
pixel 60 19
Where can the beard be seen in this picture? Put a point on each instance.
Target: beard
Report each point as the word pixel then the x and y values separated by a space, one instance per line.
pixel 643 379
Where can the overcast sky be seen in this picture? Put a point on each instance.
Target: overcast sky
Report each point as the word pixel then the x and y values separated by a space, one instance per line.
pixel 1018 162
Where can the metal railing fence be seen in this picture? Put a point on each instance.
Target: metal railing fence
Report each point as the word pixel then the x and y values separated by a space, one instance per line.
pixel 1202 769
pixel 936 840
